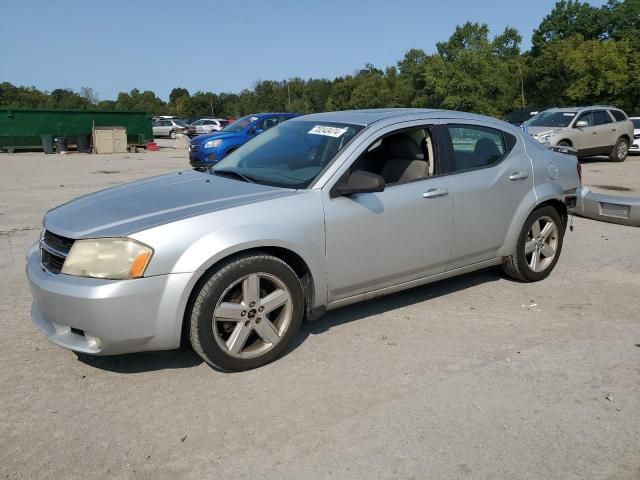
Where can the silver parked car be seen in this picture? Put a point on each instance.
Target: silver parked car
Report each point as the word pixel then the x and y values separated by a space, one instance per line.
pixel 321 211
pixel 206 125
pixel 596 130
pixel 168 127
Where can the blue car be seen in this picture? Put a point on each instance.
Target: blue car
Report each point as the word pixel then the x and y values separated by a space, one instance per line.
pixel 206 150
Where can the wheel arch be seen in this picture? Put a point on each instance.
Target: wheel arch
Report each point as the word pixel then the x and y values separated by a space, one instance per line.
pixel 550 197
pixel 291 258
pixel 566 140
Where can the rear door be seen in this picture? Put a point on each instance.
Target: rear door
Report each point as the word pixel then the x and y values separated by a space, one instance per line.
pixel 491 176
pixel 607 130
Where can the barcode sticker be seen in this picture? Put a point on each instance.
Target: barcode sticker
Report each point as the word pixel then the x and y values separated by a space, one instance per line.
pixel 327 131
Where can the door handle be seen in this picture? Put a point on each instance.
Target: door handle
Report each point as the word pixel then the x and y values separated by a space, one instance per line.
pixel 515 176
pixel 435 193
pixel 594 133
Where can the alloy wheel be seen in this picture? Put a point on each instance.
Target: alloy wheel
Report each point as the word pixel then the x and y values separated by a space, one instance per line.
pixel 622 150
pixel 252 315
pixel 541 244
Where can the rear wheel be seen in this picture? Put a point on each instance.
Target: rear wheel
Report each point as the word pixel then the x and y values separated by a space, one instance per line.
pixel 539 246
pixel 172 134
pixel 620 151
pixel 247 313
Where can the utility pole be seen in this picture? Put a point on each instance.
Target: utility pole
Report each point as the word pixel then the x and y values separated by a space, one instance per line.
pixel 289 96
pixel 211 103
pixel 521 84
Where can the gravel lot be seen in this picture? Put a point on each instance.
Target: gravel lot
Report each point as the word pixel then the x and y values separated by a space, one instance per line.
pixel 474 377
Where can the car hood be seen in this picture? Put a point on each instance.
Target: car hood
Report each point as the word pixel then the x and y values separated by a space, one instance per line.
pixel 140 205
pixel 200 139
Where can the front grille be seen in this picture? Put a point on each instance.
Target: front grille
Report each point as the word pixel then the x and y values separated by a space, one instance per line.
pixel 54 250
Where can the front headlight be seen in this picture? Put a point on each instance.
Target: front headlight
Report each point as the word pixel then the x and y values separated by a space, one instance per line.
pixel 545 138
pixel 112 258
pixel 212 143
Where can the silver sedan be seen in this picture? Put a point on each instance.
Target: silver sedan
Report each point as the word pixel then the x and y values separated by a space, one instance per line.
pixel 322 211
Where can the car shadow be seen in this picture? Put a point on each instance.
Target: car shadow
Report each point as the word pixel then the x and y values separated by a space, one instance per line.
pixel 187 358
pixel 394 301
pixel 144 361
pixel 599 159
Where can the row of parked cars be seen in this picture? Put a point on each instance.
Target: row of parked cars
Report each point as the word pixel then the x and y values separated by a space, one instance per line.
pixel 172 126
pixel 586 131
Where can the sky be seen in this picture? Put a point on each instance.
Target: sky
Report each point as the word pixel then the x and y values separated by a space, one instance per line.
pixel 225 46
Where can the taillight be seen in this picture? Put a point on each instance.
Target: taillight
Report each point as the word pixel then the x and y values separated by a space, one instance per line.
pixel 580 172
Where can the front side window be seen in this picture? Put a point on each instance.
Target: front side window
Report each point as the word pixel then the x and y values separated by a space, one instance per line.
pixel 587 117
pixel 475 147
pixel 400 157
pixel 289 155
pixel 267 123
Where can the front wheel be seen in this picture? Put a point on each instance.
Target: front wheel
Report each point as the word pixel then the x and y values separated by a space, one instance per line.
pixel 247 313
pixel 538 248
pixel 620 151
pixel 172 134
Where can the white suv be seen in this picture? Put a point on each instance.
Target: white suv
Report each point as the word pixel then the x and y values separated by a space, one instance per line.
pixel 595 130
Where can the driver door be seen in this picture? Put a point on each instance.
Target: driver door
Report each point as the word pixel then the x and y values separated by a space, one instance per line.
pixel 382 239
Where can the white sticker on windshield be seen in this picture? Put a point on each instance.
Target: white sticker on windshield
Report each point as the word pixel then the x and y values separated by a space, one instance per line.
pixel 253 119
pixel 327 131
pixel 569 114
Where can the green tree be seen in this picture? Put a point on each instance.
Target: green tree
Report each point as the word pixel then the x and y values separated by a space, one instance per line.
pixel 569 18
pixel 472 73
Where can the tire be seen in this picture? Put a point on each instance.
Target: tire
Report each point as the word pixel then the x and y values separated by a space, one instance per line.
pixel 520 266
pixel 620 151
pixel 253 332
pixel 564 143
pixel 172 134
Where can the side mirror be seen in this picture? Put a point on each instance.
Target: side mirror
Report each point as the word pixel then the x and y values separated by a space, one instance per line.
pixel 581 124
pixel 358 182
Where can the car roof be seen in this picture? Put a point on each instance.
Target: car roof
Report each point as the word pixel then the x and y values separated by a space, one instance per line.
pixel 264 114
pixel 581 109
pixel 370 116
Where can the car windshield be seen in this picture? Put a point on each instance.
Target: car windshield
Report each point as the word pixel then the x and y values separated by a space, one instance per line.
pixel 180 122
pixel 636 122
pixel 552 119
pixel 290 155
pixel 240 124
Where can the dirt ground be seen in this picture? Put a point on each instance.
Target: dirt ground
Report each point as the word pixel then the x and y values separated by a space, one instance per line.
pixel 473 377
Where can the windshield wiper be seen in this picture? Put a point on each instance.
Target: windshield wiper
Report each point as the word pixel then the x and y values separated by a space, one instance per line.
pixel 234 173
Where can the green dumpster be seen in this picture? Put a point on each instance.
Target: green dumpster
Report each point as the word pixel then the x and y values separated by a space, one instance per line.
pixel 26 128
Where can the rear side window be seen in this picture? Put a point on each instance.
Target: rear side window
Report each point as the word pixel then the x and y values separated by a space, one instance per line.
pixel 619 115
pixel 477 147
pixel 601 118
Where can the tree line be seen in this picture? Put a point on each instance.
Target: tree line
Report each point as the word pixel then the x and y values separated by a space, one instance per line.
pixel 580 55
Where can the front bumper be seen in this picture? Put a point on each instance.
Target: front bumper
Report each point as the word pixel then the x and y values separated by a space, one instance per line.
pixel 202 157
pixel 635 146
pixel 108 317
